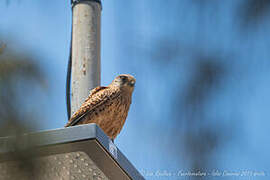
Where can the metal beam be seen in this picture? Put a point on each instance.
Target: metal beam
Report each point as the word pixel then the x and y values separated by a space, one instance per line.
pixel 62 147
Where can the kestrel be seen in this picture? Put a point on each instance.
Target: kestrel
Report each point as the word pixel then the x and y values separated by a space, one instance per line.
pixel 107 106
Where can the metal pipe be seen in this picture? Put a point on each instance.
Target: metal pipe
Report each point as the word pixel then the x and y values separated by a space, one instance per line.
pixel 85 51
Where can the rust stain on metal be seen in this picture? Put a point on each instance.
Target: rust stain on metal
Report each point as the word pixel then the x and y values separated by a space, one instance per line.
pixel 84 66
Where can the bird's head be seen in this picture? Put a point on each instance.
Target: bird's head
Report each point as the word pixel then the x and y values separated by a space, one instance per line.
pixel 124 81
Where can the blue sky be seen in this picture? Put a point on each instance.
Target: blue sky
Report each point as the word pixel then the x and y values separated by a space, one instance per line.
pixel 136 36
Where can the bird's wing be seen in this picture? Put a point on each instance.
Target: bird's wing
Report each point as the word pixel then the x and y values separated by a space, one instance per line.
pixel 97 97
pixel 94 91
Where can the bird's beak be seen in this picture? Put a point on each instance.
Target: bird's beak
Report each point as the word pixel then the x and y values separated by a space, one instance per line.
pixel 132 83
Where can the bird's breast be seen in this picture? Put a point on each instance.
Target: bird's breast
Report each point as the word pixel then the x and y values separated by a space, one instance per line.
pixel 111 116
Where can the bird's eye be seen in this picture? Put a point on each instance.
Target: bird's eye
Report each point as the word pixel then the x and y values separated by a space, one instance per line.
pixel 124 78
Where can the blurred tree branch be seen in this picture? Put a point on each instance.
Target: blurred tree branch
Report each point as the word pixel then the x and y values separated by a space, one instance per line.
pixel 17 74
pixel 253 11
pixel 2 47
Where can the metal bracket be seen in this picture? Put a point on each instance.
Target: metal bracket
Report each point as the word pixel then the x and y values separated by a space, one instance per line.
pixel 74 2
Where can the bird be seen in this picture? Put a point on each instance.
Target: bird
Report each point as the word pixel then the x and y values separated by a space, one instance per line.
pixel 107 106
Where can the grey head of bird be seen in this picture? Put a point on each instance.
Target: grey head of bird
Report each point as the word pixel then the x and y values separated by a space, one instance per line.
pixel 124 82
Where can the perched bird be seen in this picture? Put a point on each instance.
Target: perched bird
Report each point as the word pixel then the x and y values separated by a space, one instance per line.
pixel 107 106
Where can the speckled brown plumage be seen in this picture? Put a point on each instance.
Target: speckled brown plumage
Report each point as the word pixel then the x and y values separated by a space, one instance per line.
pixel 107 106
